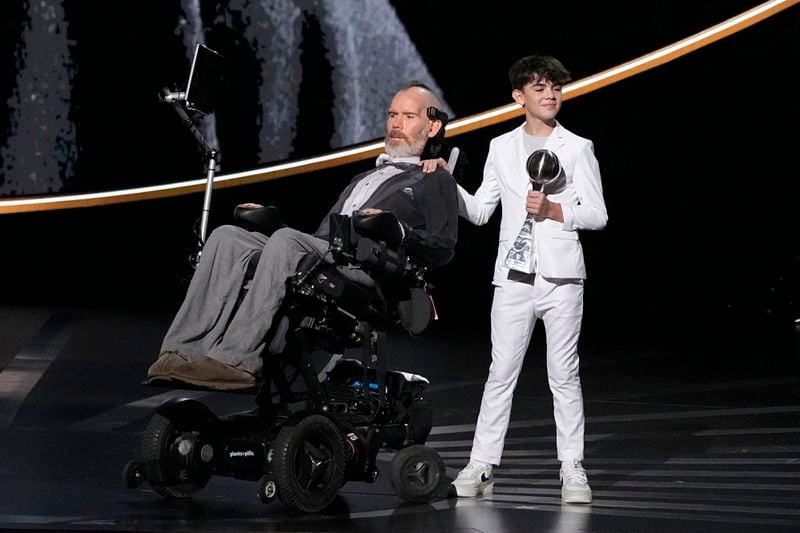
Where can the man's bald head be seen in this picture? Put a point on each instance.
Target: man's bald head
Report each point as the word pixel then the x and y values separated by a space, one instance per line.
pixel 408 126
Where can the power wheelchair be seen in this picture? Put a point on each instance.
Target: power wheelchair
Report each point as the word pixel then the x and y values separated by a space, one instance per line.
pixel 315 428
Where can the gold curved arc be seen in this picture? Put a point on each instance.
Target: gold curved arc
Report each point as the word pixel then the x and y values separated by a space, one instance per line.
pixel 633 67
pixel 372 149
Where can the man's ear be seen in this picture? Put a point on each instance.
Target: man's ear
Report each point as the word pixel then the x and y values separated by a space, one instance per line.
pixel 436 125
pixel 516 94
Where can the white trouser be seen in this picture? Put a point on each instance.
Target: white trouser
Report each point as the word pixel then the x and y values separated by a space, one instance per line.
pixel 516 306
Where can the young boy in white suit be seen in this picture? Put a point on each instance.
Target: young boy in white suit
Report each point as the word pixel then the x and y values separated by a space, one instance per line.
pixel 553 290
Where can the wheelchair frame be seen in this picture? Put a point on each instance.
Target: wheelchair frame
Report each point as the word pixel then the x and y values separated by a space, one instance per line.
pixel 302 447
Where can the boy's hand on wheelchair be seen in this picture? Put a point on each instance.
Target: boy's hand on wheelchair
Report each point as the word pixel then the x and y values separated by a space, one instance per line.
pixel 368 212
pixel 250 205
pixel 429 165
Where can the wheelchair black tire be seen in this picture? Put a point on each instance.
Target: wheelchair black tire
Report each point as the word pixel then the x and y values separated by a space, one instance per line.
pixel 156 445
pixel 133 474
pixel 308 462
pixel 418 473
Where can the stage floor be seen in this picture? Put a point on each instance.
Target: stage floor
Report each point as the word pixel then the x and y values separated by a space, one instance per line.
pixel 681 435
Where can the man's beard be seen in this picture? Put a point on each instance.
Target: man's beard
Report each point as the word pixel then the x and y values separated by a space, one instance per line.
pixel 410 149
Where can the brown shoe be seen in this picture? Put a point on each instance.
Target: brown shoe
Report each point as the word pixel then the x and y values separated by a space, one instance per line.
pixel 208 372
pixel 164 365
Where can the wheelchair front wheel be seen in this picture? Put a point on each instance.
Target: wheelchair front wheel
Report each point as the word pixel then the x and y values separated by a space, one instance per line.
pixel 175 454
pixel 133 474
pixel 308 463
pixel 417 473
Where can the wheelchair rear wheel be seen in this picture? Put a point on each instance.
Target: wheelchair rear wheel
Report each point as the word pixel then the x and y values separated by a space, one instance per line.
pixel 308 463
pixel 177 457
pixel 418 473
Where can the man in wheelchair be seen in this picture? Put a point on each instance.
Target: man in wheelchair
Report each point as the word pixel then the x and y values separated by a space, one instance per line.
pixel 220 337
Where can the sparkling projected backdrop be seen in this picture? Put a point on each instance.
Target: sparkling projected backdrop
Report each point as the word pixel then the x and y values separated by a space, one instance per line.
pixel 39 148
pixel 329 63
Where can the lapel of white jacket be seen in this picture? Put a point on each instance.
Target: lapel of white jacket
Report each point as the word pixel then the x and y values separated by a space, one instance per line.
pixel 556 139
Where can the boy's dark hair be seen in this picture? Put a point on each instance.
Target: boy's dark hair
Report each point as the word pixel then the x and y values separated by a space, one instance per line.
pixel 530 68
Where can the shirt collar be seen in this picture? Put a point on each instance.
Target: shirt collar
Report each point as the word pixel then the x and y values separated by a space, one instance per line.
pixel 386 158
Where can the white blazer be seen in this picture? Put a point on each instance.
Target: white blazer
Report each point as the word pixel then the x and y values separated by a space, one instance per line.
pixel 578 189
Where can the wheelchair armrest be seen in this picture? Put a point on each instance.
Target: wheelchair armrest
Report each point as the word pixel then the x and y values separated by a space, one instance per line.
pixel 407 282
pixel 375 243
pixel 384 227
pixel 265 219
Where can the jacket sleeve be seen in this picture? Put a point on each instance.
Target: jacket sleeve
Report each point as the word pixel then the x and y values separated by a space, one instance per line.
pixel 435 242
pixel 589 209
pixel 479 207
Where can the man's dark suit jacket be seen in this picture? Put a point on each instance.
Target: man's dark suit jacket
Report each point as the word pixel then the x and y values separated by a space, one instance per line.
pixel 426 203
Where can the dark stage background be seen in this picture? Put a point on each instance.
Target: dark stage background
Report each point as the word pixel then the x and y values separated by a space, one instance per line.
pixel 698 159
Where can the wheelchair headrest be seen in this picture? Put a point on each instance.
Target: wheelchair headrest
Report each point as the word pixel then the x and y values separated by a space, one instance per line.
pixel 435 113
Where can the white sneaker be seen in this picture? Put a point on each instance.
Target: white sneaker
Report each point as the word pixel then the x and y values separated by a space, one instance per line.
pixel 476 479
pixel 574 483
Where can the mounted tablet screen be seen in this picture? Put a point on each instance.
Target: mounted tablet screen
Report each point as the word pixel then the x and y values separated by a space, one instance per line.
pixel 204 80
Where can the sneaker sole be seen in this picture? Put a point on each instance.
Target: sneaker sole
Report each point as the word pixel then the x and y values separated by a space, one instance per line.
pixel 572 496
pixel 473 492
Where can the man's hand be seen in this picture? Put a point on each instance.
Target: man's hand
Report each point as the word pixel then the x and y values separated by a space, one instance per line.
pixel 250 205
pixel 429 165
pixel 368 212
pixel 538 205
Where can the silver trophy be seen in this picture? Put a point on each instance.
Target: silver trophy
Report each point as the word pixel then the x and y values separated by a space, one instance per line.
pixel 543 167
